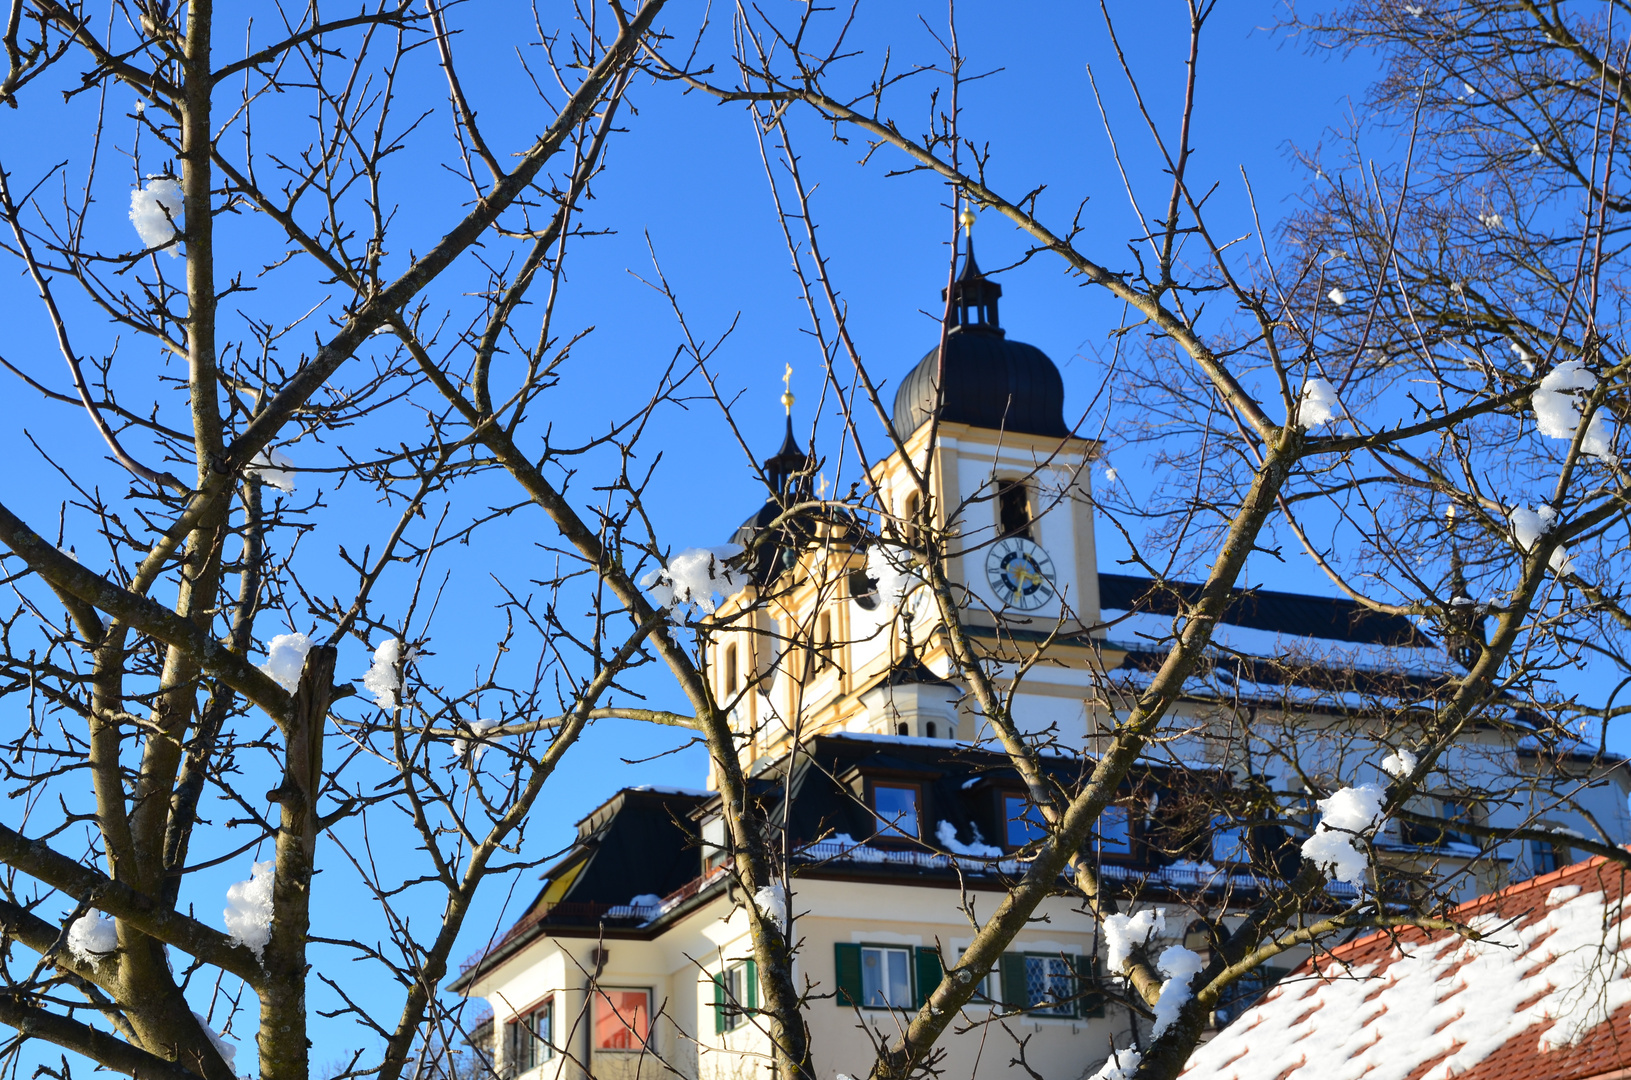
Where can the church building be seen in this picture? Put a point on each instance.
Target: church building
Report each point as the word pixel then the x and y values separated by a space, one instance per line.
pixel 900 817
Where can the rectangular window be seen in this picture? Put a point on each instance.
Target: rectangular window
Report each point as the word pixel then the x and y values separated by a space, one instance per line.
pixel 1457 813
pixel 529 1038
pixel 730 671
pixel 886 978
pixel 622 1019
pixel 1115 830
pixel 736 995
pixel 1022 821
pixel 1542 856
pixel 895 806
pixel 1050 986
pixel 1231 842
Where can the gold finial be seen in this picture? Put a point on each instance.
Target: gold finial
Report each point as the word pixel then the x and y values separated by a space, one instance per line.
pixel 967 218
pixel 787 389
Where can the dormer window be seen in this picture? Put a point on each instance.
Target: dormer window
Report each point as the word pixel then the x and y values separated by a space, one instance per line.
pixel 1115 830
pixel 1022 821
pixel 896 805
pixel 1014 508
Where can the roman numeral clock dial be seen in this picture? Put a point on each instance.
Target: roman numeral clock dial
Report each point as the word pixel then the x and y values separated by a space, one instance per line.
pixel 1020 573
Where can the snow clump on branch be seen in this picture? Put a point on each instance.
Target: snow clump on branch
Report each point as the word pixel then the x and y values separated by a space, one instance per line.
pixel 1345 816
pixel 1338 297
pixel 249 908
pixel 1121 1065
pixel 1319 403
pixel 273 467
pixel 694 576
pixel 463 747
pixel 92 937
pixel 1124 933
pixel 771 900
pixel 1399 764
pixel 382 679
pixel 227 1050
pixel 1557 409
pixel 285 657
pixel 1528 526
pixel 156 211
pixel 1179 965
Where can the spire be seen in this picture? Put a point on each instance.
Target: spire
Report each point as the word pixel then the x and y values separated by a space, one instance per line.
pixel 973 295
pixel 787 465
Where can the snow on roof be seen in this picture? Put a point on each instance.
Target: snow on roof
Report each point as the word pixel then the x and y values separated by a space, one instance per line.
pixel 1545 996
pixel 1145 631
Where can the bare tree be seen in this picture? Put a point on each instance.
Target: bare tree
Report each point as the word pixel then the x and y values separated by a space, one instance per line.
pixel 138 669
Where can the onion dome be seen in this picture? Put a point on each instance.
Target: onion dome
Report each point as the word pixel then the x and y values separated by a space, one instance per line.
pixel 787 472
pixel 989 381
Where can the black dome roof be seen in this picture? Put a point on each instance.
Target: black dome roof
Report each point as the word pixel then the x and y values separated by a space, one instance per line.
pixel 990 382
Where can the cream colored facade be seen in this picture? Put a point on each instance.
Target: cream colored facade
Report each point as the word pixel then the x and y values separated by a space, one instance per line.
pixel 679 968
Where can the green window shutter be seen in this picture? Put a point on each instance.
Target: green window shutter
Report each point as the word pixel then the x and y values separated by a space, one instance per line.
pixel 1091 1003
pixel 751 977
pixel 719 1004
pixel 1013 981
pixel 928 974
pixel 847 964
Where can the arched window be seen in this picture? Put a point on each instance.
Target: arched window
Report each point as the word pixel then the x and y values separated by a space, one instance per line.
pixel 823 641
pixel 914 515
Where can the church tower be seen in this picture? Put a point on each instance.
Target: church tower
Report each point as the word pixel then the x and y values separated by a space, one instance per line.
pixel 836 630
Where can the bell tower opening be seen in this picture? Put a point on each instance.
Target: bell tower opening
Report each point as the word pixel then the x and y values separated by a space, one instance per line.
pixel 1014 509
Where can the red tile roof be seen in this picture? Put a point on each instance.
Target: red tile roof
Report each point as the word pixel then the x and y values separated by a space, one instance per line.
pixel 1545 996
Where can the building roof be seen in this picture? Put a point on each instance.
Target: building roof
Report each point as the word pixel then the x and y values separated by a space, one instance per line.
pixel 1546 995
pixel 640 865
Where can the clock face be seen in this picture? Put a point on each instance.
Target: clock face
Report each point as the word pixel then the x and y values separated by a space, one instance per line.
pixel 1020 573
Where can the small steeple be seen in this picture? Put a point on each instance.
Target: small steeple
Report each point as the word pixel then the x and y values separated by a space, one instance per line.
pixel 786 468
pixel 973 295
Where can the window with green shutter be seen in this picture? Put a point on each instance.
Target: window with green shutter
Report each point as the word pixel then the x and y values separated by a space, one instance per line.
pixel 1091 1002
pixel 1049 984
pixel 847 971
pixel 929 974
pixel 1013 981
pixel 736 994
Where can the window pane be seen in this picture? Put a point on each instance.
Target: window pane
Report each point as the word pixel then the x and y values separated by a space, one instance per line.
pixel 896 808
pixel 1049 985
pixel 621 1017
pixel 1116 831
pixel 1024 821
pixel 900 980
pixel 1229 842
pixel 735 996
pixel 542 1036
pixel 885 979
